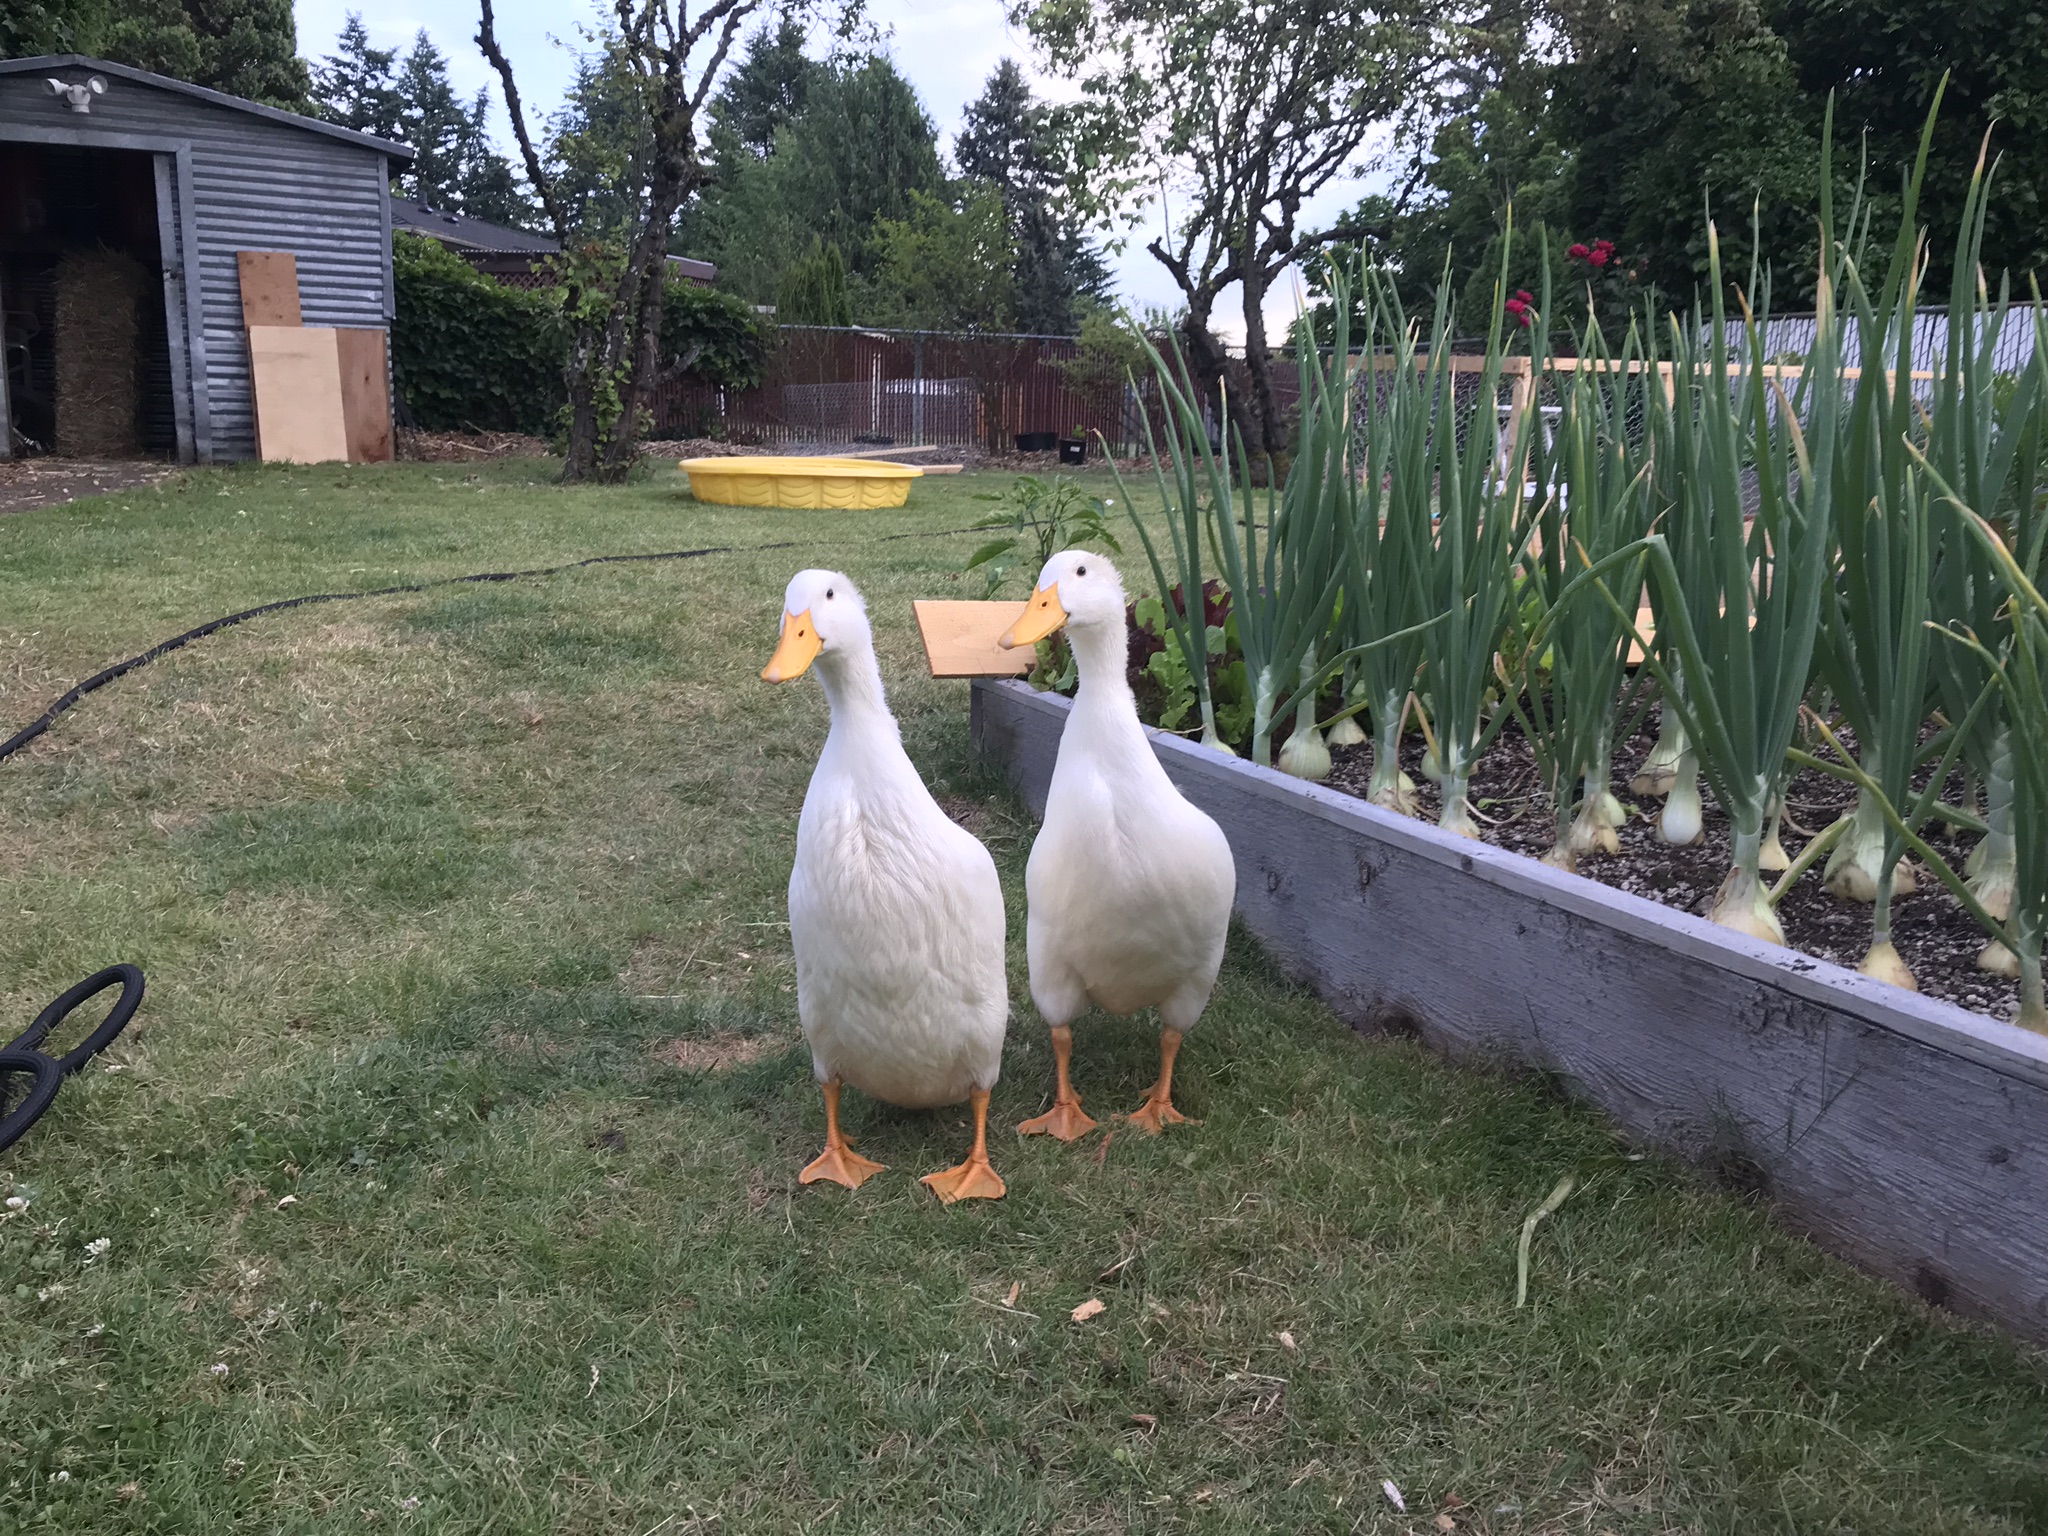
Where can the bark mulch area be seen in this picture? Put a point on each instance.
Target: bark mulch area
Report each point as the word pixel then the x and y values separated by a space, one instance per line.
pixel 51 481
pixel 1938 940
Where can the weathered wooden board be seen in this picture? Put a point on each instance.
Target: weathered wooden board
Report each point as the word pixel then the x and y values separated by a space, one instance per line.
pixel 1904 1134
pixel 960 638
pixel 296 371
pixel 365 394
pixel 270 288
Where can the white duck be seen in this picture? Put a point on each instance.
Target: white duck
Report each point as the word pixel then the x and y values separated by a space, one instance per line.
pixel 895 913
pixel 1130 886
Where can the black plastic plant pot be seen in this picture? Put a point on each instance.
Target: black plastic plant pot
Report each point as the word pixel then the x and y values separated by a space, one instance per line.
pixel 1073 450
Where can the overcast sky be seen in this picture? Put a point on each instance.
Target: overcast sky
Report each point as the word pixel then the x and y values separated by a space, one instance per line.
pixel 946 48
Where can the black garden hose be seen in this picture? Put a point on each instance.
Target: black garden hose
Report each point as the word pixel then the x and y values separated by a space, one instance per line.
pixel 23 1056
pixel 120 669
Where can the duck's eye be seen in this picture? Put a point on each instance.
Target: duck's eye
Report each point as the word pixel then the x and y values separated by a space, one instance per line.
pixel 828 592
pixel 1080 570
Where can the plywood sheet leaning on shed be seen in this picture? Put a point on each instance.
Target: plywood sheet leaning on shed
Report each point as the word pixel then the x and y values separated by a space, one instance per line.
pixel 296 370
pixel 270 288
pixel 365 394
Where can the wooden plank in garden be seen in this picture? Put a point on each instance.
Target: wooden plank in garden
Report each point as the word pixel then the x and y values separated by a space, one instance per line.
pixel 1904 1134
pixel 365 394
pixel 270 288
pixel 960 638
pixel 296 374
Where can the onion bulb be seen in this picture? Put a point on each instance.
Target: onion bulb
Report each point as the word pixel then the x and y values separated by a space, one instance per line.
pixel 1346 733
pixel 1680 823
pixel 1742 907
pixel 1884 964
pixel 1304 755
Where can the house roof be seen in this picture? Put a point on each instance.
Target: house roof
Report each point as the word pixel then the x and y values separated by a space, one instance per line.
pixel 45 63
pixel 470 234
pixel 484 238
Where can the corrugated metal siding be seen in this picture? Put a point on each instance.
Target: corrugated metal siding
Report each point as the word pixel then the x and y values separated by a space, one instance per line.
pixel 256 185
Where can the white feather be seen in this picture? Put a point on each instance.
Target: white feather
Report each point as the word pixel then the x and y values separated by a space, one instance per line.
pixel 895 912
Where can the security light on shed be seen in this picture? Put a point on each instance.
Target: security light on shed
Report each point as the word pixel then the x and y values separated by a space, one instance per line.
pixel 79 96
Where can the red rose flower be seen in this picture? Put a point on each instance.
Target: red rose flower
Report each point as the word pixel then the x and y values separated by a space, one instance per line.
pixel 1578 253
pixel 1599 256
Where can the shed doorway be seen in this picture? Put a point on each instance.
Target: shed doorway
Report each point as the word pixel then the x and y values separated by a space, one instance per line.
pixel 86 332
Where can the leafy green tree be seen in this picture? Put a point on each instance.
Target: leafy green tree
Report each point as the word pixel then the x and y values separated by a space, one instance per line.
pixel 246 48
pixel 367 88
pixel 945 267
pixel 353 86
pixel 1006 140
pixel 1884 59
pixel 666 57
pixel 767 89
pixel 1233 114
pixel 813 290
pixel 859 152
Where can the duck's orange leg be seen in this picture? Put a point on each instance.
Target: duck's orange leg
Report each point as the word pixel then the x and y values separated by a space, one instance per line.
pixel 973 1179
pixel 1065 1119
pixel 838 1162
pixel 1157 1112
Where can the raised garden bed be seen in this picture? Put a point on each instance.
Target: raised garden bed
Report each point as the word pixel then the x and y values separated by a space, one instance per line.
pixel 1902 1132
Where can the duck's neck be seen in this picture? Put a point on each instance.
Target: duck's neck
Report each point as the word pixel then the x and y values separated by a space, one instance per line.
pixel 1102 658
pixel 852 681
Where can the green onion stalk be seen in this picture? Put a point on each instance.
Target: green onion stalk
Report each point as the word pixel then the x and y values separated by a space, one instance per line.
pixel 1985 437
pixel 1672 769
pixel 1469 568
pixel 1872 650
pixel 1284 587
pixel 1390 534
pixel 2019 676
pixel 1591 513
pixel 1740 613
pixel 1187 621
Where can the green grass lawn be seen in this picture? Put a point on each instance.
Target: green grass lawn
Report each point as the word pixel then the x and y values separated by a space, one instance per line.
pixel 448 1178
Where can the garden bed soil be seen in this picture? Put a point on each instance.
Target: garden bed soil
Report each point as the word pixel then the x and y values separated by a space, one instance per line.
pixel 1936 937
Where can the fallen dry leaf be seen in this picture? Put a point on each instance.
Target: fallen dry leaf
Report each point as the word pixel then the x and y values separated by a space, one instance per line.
pixel 1117 1268
pixel 1094 1306
pixel 1157 1309
pixel 1016 1290
pixel 1286 1340
pixel 1102 1148
pixel 1145 1421
pixel 1445 1523
pixel 287 1200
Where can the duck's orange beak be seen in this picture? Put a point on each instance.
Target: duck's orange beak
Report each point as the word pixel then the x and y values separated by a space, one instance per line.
pixel 1041 616
pixel 797 649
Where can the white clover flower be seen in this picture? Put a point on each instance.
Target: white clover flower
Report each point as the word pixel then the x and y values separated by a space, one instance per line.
pixel 97 1248
pixel 218 1368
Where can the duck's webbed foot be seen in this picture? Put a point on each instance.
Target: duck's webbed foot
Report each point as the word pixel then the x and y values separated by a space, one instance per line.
pixel 838 1163
pixel 1065 1119
pixel 974 1179
pixel 1157 1112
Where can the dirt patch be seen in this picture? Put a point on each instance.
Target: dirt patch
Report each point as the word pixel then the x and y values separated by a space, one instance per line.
pixel 51 481
pixel 1936 937
pixel 971 814
pixel 716 1053
pixel 462 447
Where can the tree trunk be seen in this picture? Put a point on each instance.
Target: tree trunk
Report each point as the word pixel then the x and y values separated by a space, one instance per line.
pixel 1270 440
pixel 1208 365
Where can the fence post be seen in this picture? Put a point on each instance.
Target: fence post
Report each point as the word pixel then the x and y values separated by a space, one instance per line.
pixel 917 390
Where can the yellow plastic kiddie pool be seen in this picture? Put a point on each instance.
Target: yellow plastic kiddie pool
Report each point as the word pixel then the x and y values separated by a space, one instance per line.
pixel 799 482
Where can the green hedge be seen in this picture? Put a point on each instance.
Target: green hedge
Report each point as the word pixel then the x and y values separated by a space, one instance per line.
pixel 471 353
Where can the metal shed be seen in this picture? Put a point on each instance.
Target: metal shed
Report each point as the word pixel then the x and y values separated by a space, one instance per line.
pixel 149 185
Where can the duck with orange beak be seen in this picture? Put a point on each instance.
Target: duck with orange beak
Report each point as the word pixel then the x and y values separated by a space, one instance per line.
pixel 1130 886
pixel 895 912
